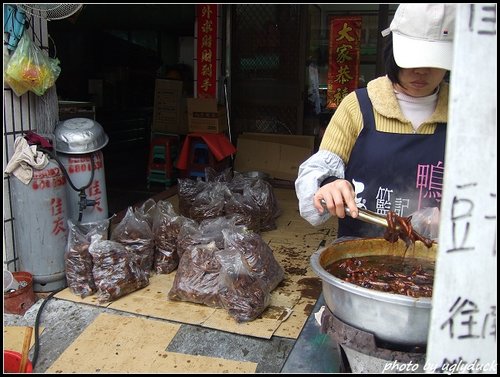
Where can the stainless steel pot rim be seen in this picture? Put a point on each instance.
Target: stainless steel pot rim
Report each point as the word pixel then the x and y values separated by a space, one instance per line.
pixel 394 298
pixel 79 136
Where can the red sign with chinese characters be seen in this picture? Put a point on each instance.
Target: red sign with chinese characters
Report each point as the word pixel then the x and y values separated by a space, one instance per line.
pixel 343 64
pixel 206 48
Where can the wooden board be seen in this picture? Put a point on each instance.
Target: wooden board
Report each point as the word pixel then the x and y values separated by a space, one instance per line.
pixel 153 301
pixel 13 338
pixel 277 312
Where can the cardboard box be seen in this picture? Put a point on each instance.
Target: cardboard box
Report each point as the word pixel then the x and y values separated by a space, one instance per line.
pixel 169 113
pixel 204 115
pixel 275 154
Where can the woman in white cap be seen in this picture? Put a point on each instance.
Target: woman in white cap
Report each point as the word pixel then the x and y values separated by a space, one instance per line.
pixel 384 147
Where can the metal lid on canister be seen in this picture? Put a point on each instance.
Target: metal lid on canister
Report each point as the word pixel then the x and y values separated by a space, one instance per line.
pixel 79 135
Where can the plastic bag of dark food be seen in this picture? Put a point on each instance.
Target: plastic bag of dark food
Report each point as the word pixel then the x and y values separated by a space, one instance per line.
pixel 241 293
pixel 244 209
pixel 211 229
pixel 256 254
pixel 77 259
pixel 188 236
pixel 136 235
pixel 263 194
pixel 117 271
pixel 207 231
pixel 166 227
pixel 147 211
pixel 197 277
pixel 210 202
pixel 238 183
pixel 187 190
pixel 212 175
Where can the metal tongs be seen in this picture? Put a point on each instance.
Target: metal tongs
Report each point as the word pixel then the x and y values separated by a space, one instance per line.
pixel 369 217
pixel 366 216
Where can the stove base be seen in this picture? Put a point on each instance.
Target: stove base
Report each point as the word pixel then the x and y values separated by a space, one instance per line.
pixel 359 362
pixel 360 352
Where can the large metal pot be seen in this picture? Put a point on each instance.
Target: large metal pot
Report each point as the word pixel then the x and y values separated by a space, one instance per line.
pixel 79 136
pixel 393 318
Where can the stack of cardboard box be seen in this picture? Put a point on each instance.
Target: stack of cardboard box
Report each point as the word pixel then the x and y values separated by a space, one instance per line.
pixel 205 115
pixel 169 113
pixel 175 114
pixel 275 154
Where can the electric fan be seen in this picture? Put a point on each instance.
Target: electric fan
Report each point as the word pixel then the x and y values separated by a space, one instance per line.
pixel 51 11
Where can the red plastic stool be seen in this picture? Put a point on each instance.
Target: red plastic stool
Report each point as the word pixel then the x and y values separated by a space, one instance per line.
pixel 162 153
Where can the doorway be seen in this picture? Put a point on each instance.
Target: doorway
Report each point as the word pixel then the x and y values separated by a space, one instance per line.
pixel 267 53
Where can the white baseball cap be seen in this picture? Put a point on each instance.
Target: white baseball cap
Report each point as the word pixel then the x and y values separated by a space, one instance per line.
pixel 423 35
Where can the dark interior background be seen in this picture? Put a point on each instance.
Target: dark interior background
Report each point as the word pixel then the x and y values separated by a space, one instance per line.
pixel 125 47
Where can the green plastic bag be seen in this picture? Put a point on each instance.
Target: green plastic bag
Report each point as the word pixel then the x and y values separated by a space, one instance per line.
pixel 29 69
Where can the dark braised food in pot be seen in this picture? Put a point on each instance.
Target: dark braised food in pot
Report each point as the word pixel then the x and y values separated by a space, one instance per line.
pixel 412 277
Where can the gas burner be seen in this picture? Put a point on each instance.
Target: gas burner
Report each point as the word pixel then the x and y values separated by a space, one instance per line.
pixel 361 352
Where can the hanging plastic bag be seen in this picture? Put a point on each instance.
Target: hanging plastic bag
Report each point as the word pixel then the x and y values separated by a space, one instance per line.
pixel 425 221
pixel 29 69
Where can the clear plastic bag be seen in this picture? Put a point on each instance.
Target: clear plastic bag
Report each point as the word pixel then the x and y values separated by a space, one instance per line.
pixel 242 293
pixel 209 203
pixel 188 189
pixel 136 235
pixel 198 276
pixel 244 209
pixel 117 271
pixel 166 227
pixel 77 258
pixel 256 255
pixel 207 231
pixel 262 193
pixel 425 221
pixel 147 211
pixel 29 69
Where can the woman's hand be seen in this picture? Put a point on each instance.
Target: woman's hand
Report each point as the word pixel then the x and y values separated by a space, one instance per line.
pixel 334 197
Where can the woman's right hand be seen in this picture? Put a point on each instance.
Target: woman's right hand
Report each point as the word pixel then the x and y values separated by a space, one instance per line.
pixel 334 196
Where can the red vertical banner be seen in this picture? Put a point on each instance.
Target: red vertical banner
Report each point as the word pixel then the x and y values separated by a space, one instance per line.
pixel 206 48
pixel 343 58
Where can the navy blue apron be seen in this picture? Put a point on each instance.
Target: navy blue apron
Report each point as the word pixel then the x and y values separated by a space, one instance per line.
pixel 392 172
